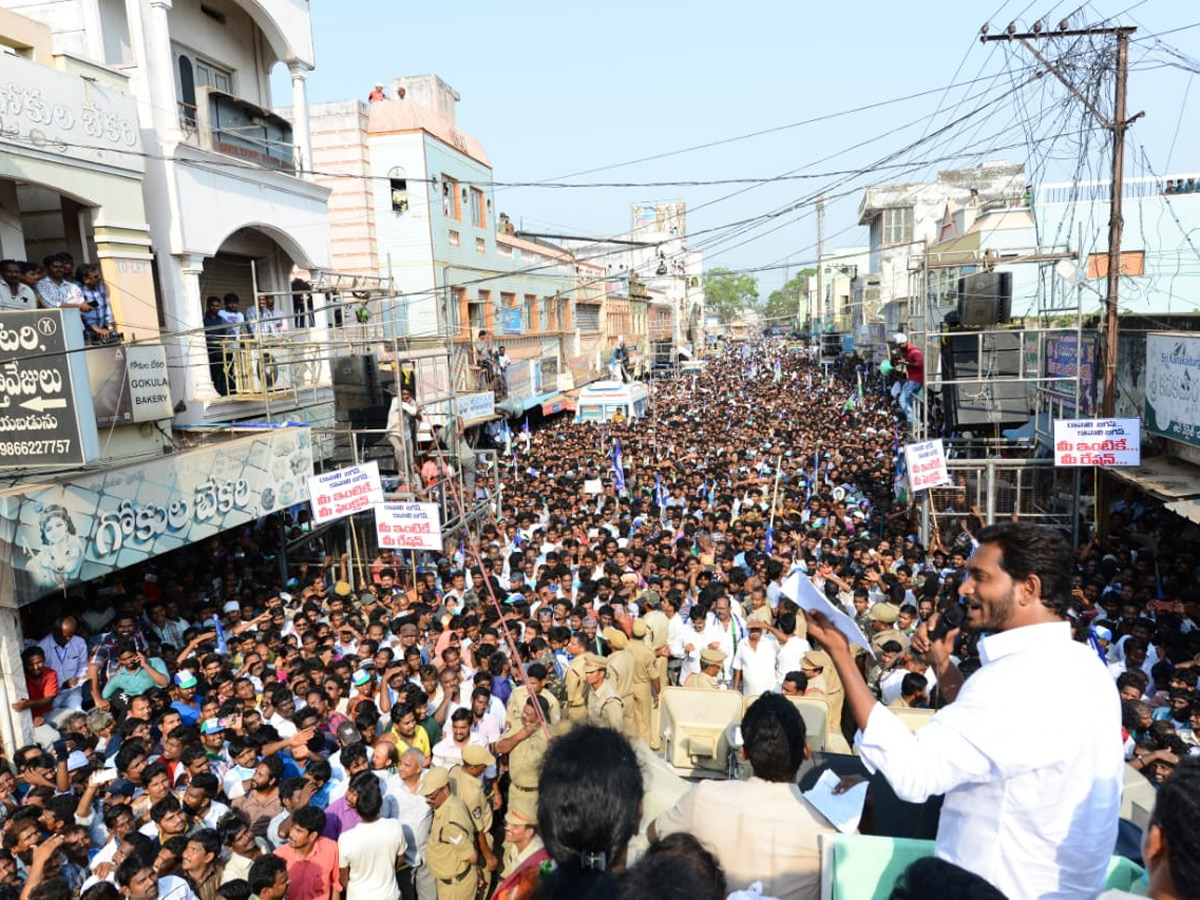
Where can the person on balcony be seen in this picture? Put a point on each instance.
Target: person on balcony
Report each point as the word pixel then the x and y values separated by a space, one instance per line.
pixel 216 339
pixel 98 324
pixel 378 94
pixel 14 293
pixel 56 291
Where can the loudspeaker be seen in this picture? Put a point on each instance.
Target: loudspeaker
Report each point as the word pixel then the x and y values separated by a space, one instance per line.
pixel 356 383
pixel 984 298
pixel 986 402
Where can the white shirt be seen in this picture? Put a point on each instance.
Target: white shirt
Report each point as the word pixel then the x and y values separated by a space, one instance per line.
pixel 757 665
pixel 22 298
pixel 1029 758
pixel 789 656
pixel 370 850
pixel 69 661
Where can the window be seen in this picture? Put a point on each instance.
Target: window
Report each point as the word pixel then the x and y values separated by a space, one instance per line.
pixel 455 240
pixel 478 216
pixel 477 313
pixel 897 225
pixel 451 207
pixel 564 314
pixel 544 314
pixel 398 179
pixel 457 311
pixel 480 245
pixel 529 320
pixel 195 72
pixel 552 314
pixel 588 317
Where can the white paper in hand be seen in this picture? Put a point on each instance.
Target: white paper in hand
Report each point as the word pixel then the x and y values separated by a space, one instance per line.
pixel 842 810
pixel 801 591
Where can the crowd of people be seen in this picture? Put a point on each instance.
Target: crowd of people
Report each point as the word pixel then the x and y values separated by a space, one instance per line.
pixel 59 284
pixel 464 725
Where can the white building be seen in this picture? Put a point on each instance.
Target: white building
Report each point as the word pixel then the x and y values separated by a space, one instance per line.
pixel 228 206
pixel 902 218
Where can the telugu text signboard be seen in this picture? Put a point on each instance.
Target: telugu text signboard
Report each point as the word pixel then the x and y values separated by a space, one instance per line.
pixel 43 386
pixel 926 462
pixel 1097 442
pixel 408 526
pixel 344 492
pixel 97 523
pixel 1173 387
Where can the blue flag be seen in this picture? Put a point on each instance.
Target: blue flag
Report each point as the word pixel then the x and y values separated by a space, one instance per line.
pixel 618 469
pixel 1094 640
pixel 221 646
pixel 659 492
pixel 770 542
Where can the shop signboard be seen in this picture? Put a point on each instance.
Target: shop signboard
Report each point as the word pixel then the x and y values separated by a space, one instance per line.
pixel 1173 387
pixel 45 402
pixel 87 526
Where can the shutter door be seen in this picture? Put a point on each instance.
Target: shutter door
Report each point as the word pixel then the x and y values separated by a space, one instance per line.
pixel 225 274
pixel 587 318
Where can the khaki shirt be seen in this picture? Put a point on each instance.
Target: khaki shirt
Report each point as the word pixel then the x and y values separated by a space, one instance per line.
pixel 658 627
pixel 525 759
pixel 702 682
pixel 741 822
pixel 621 666
pixel 514 857
pixel 605 708
pixel 643 657
pixel 516 703
pixel 451 846
pixel 577 688
pixel 469 789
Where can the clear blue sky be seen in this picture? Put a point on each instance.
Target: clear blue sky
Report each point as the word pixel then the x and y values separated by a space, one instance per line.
pixel 552 89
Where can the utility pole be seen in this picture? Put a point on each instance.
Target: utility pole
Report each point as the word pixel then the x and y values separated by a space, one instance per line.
pixel 1117 125
pixel 820 304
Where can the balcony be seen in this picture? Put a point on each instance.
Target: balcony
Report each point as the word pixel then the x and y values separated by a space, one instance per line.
pixel 231 126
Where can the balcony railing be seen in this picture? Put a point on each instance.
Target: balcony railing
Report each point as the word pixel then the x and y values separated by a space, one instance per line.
pixel 235 127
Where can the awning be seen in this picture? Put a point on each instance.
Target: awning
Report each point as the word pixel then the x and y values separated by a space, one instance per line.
pixel 558 403
pixel 1165 477
pixel 1189 509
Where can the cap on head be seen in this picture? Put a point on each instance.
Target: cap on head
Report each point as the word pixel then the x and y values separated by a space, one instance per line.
pixel 185 679
pixel 594 662
pixel 900 337
pixel 474 755
pixel 615 638
pixel 435 779
pixel 885 613
pixel 639 628
pixel 710 657
pixel 342 589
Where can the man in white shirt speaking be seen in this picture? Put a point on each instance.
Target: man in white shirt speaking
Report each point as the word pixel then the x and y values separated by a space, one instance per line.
pixel 1028 754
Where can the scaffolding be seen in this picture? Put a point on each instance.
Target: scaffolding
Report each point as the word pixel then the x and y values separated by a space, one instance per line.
pixel 1031 369
pixel 350 333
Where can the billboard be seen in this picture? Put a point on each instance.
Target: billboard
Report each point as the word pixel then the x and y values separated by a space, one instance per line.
pixel 1097 442
pixel 1064 355
pixel 662 217
pixel 97 523
pixel 1173 386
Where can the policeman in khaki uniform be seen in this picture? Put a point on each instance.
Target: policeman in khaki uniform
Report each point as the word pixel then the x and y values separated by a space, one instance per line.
pixel 645 681
pixel 526 745
pixel 450 852
pixel 883 618
pixel 468 787
pixel 576 681
pixel 604 707
pixel 710 668
pixel 621 667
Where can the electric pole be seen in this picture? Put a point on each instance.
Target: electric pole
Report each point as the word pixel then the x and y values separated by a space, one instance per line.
pixel 1117 126
pixel 820 304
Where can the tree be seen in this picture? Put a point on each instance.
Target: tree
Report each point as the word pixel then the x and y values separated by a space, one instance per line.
pixel 728 294
pixel 783 304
